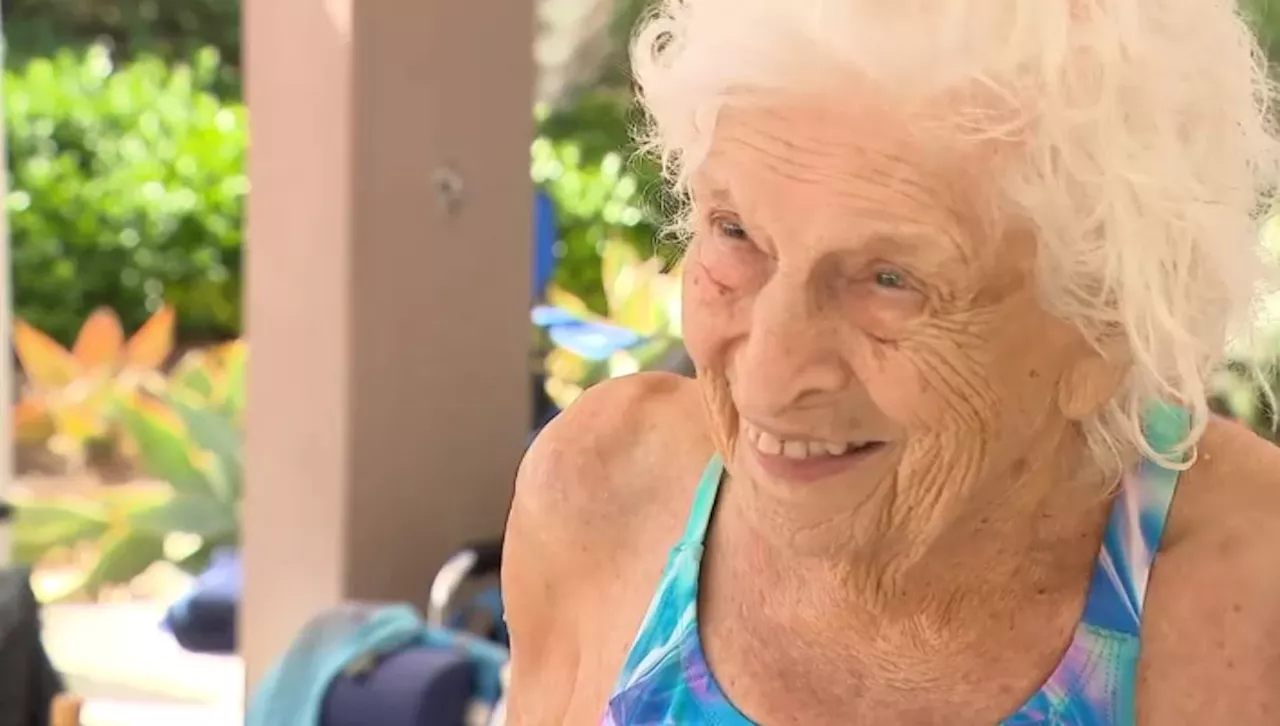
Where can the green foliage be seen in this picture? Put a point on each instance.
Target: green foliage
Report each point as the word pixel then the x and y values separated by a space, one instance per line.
pixel 171 30
pixel 1264 15
pixel 127 188
pixel 616 69
pixel 41 527
pixel 642 297
pixel 601 189
pixel 1246 389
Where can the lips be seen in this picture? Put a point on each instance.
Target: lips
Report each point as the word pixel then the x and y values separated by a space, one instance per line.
pixel 804 460
pixel 770 444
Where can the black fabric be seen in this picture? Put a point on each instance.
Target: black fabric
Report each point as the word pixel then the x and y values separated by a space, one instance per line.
pixel 28 681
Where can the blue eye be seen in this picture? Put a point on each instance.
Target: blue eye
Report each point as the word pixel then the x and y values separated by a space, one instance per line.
pixel 726 224
pixel 729 228
pixel 891 279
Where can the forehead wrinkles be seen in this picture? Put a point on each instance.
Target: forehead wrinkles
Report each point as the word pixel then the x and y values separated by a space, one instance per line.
pixel 880 185
pixel 816 168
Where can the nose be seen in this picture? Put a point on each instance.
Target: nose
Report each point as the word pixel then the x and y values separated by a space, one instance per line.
pixel 792 356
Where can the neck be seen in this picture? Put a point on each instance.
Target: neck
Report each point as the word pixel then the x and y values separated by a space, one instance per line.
pixel 928 552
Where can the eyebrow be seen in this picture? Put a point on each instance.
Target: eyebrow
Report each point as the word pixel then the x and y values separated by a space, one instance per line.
pixel 712 187
pixel 720 195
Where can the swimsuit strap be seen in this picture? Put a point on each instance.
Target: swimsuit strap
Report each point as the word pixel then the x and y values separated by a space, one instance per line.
pixel 704 502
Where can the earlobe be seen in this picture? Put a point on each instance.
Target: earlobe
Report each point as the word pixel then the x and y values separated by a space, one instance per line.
pixel 1088 385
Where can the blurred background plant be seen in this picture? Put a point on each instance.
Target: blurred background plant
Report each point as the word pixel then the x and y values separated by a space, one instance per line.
pixel 169 30
pixel 69 398
pixel 127 136
pixel 187 434
pixel 602 193
pixel 1246 388
pixel 639 330
pixel 127 186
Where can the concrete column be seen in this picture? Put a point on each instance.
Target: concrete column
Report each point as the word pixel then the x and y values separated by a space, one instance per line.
pixel 388 293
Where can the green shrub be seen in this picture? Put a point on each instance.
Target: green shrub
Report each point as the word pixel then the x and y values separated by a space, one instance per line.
pixel 128 183
pixel 602 191
pixel 172 30
pixel 127 187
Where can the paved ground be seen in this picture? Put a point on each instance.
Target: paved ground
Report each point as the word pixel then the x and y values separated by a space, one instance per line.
pixel 132 673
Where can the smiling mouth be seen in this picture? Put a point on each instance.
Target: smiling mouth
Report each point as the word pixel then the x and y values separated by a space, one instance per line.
pixel 804 461
pixel 796 449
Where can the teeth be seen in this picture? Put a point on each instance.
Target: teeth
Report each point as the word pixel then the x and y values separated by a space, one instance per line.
pixel 795 449
pixel 771 445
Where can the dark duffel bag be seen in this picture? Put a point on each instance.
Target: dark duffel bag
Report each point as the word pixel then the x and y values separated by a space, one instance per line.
pixel 28 682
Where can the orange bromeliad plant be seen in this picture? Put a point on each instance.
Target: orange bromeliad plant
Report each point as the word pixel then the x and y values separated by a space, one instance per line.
pixel 69 397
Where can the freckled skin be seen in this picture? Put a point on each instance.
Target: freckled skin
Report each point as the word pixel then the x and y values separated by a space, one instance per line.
pixel 845 283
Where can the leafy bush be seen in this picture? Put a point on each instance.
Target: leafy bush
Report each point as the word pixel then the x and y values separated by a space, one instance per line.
pixel 601 190
pixel 127 188
pixel 172 30
pixel 1264 16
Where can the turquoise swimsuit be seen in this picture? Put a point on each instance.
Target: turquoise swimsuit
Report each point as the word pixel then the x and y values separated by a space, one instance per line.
pixel 666 681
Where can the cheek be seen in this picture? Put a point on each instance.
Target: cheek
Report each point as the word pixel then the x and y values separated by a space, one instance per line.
pixel 892 381
pixel 702 287
pixel 970 371
pixel 885 315
pixel 709 307
pixel 927 385
pixel 708 313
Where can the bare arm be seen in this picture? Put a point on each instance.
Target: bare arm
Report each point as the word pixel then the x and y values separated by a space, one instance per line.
pixel 537 595
pixel 1211 636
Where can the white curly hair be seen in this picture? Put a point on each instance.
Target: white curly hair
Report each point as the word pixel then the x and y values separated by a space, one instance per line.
pixel 1144 148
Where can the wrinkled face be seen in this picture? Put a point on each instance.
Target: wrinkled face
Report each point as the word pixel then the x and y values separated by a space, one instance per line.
pixel 861 333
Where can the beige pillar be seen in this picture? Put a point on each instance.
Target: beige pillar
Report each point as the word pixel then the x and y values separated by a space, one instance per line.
pixel 388 292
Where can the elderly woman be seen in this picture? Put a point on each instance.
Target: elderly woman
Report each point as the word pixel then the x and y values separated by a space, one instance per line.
pixel 957 272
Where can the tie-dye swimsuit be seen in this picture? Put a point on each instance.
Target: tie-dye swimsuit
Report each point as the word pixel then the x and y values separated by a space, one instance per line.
pixel 666 681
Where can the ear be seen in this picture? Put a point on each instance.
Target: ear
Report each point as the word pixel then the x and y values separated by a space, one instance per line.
pixel 1089 383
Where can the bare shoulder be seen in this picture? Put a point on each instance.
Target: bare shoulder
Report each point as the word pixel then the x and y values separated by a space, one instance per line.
pixel 1211 628
pixel 598 495
pixel 605 457
pixel 1236 472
